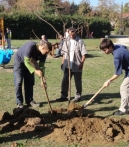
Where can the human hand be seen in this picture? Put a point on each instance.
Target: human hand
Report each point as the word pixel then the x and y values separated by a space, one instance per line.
pixel 38 72
pixel 106 84
pixel 81 66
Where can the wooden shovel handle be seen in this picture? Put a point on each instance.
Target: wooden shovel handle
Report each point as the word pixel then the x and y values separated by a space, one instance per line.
pixel 47 95
pixel 94 96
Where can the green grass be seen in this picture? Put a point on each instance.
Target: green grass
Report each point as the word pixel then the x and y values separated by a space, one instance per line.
pixel 98 67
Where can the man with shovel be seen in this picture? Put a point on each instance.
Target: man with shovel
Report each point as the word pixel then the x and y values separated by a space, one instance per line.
pixel 74 52
pixel 25 65
pixel 121 62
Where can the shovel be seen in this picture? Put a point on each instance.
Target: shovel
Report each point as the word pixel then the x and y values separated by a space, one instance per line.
pixel 73 106
pixel 47 96
pixel 85 105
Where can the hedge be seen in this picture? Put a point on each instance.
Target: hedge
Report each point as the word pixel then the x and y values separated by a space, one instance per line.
pixel 22 25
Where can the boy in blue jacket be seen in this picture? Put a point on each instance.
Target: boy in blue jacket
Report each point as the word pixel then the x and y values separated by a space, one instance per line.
pixel 121 62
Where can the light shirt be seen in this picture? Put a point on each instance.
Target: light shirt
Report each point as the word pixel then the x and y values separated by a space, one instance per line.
pixel 66 34
pixel 77 50
pixel 72 47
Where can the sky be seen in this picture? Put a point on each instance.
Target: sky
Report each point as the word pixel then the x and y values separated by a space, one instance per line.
pixel 95 2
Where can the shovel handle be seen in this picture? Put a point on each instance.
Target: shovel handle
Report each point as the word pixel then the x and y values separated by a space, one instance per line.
pixel 94 96
pixel 47 95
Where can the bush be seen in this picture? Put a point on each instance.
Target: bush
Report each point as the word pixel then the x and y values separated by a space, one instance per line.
pixel 23 24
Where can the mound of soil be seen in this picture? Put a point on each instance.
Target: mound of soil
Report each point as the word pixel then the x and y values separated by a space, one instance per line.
pixel 66 128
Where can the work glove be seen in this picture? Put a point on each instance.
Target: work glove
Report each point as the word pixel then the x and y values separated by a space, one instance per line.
pixel 106 84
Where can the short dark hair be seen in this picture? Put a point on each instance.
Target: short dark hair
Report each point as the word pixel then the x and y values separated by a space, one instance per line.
pixel 47 44
pixel 72 29
pixel 106 43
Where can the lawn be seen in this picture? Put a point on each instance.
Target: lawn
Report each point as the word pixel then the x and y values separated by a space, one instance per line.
pixel 98 68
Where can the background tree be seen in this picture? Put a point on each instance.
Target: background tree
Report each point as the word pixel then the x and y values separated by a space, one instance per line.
pixel 4 5
pixel 84 7
pixel 73 8
pixel 65 5
pixel 49 6
pixel 126 8
pixel 2 9
pixel 110 10
pixel 20 5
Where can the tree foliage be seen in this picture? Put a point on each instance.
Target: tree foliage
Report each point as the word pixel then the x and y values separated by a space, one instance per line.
pixel 126 8
pixel 22 5
pixel 84 7
pixel 73 8
pixel 109 9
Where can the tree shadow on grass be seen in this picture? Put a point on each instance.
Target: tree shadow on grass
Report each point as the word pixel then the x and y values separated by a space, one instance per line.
pixel 100 97
pixel 91 56
pixel 23 136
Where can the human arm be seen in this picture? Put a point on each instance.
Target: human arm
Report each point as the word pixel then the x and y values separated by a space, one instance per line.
pixel 64 50
pixel 62 61
pixel 43 81
pixel 83 53
pixel 82 62
pixel 106 84
pixel 32 66
pixel 118 72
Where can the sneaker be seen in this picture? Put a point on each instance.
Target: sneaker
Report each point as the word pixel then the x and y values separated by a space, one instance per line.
pixel 34 104
pixel 61 99
pixel 56 56
pixel 118 112
pixel 76 99
pixel 20 105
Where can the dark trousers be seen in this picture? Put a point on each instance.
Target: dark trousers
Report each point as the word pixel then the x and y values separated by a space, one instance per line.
pixel 22 73
pixel 65 83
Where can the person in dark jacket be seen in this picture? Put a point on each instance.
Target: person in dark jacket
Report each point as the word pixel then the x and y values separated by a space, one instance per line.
pixel 29 59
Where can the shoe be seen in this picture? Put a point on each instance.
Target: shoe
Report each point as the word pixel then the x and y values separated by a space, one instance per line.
pixel 34 104
pixel 61 99
pixel 20 105
pixel 118 112
pixel 56 56
pixel 76 100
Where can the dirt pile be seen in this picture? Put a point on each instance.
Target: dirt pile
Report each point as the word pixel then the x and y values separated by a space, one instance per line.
pixel 64 128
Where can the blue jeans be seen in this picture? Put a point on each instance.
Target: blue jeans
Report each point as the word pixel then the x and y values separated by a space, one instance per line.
pixel 22 73
pixel 58 52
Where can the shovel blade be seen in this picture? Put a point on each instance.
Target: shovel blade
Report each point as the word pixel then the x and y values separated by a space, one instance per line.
pixel 75 107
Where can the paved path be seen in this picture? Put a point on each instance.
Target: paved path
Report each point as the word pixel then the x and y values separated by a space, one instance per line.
pixel 123 41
